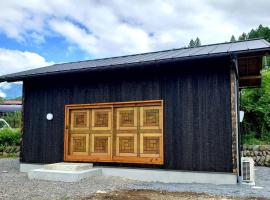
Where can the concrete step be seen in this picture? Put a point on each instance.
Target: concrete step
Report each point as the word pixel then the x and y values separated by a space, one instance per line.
pixel 65 172
pixel 64 166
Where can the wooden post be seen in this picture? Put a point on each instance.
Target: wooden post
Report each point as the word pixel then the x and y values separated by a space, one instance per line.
pixel 233 120
pixel 22 122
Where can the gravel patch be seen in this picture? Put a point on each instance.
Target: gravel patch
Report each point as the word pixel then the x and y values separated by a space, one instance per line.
pixel 15 185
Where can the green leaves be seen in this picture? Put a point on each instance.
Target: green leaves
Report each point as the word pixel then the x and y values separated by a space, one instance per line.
pixel 260 32
pixel 256 101
pixel 195 43
pixel 232 39
pixel 14 119
pixel 10 137
pixel 256 104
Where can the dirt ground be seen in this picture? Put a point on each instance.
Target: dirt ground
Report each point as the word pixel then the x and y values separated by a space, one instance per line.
pixel 159 195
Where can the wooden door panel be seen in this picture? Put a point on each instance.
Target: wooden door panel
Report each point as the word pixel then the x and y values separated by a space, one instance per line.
pixel 79 132
pixel 126 118
pixel 101 119
pixel 126 144
pixel 101 145
pixel 151 117
pixel 79 120
pixel 151 145
pixel 79 144
pixel 126 132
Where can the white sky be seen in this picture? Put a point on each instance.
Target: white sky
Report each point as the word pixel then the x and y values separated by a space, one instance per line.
pixel 103 28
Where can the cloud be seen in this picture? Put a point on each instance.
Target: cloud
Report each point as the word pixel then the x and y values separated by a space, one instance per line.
pixel 4 86
pixel 117 27
pixel 2 94
pixel 14 61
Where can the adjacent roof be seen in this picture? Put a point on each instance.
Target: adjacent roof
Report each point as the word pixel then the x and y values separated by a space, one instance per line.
pixel 12 102
pixel 10 108
pixel 221 49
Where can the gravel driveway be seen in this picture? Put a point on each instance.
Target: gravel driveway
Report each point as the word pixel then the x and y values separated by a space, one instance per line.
pixel 15 185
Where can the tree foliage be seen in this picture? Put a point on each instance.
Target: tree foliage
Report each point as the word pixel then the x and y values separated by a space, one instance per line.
pixel 256 102
pixel 260 32
pixel 195 43
pixel 10 137
pixel 14 119
pixel 232 39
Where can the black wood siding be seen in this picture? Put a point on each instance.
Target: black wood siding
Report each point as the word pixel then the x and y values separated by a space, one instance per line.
pixel 197 126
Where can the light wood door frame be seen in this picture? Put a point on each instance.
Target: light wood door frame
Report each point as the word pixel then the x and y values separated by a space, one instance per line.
pixel 142 138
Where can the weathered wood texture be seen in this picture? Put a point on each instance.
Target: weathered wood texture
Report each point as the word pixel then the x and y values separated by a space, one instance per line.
pixel 197 117
pixel 126 132
pixel 234 119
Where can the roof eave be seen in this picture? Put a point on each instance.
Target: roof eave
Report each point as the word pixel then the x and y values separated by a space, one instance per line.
pixel 107 67
pixel 10 78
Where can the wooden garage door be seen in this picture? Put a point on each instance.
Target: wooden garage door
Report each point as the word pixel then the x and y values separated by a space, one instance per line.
pixel 130 132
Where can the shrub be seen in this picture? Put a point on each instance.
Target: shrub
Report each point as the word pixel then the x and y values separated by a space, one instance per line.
pixel 14 119
pixel 250 139
pixel 10 137
pixel 255 102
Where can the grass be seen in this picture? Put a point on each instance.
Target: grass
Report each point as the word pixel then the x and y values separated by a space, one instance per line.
pixel 9 156
pixel 250 139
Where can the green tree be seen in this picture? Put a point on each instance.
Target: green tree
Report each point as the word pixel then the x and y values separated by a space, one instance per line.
pixel 191 43
pixel 13 119
pixel 260 32
pixel 232 39
pixel 243 37
pixel 195 43
pixel 256 104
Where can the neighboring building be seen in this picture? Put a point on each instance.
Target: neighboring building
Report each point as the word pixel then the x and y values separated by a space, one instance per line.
pixel 10 106
pixel 175 109
pixel 12 102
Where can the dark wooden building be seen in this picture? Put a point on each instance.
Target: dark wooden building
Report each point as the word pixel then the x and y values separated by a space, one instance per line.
pixel 175 109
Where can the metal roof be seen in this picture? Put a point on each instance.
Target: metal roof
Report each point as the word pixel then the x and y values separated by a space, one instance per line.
pixel 10 108
pixel 205 51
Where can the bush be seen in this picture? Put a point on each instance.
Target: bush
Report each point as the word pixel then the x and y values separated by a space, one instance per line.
pixel 10 137
pixel 14 119
pixel 250 139
pixel 255 102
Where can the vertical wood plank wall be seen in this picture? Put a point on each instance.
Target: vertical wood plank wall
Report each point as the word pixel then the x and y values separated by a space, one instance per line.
pixel 197 105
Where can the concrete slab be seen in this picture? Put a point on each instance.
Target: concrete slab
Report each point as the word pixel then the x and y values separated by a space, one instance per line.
pixel 25 167
pixel 64 166
pixel 72 172
pixel 64 176
pixel 170 176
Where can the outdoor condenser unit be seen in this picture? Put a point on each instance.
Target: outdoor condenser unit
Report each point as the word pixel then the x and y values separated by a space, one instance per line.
pixel 248 174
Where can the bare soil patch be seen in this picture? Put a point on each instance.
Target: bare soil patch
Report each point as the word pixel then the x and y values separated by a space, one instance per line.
pixel 160 195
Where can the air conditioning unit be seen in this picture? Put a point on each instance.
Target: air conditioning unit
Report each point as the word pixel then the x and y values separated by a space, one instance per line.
pixel 248 174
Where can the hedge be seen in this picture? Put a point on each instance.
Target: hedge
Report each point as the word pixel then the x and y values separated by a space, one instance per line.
pixel 10 137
